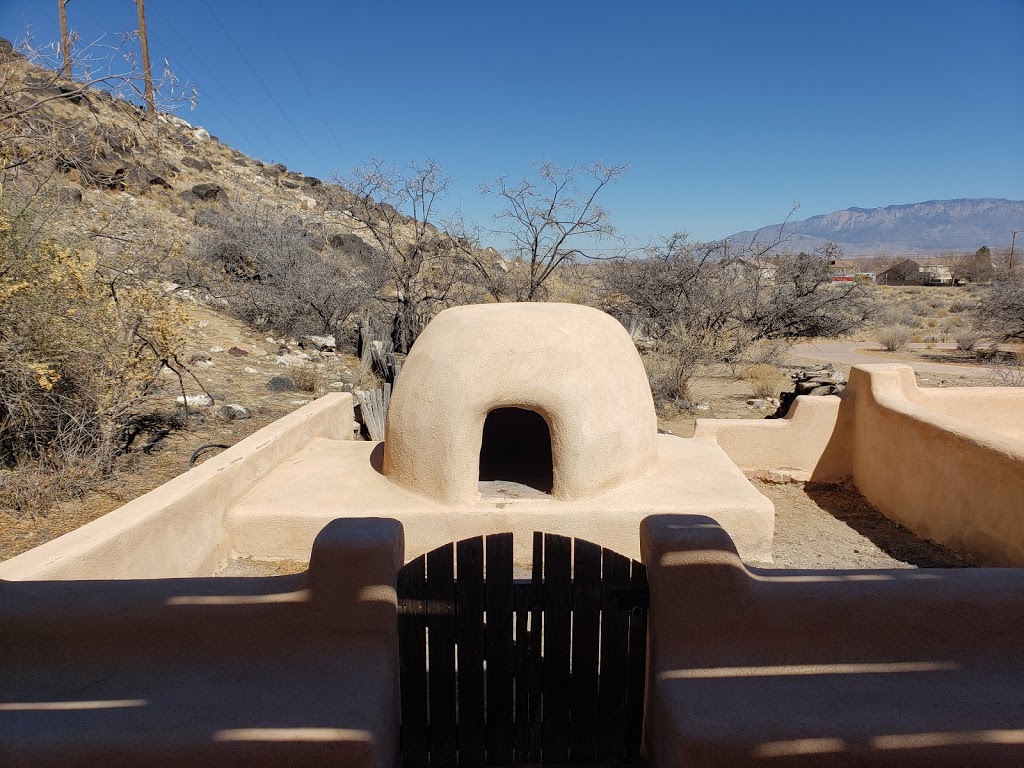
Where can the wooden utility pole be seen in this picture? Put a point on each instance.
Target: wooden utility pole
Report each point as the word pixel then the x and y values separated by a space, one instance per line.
pixel 1013 241
pixel 65 40
pixel 147 72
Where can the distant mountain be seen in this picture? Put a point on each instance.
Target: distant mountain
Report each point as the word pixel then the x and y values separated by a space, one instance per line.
pixel 937 225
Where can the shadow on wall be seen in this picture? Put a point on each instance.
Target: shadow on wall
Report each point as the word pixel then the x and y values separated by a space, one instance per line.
pixel 822 667
pixel 289 670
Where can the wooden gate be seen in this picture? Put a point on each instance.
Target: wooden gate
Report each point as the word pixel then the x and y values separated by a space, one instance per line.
pixel 500 671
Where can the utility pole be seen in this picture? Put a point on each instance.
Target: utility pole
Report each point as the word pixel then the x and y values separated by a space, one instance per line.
pixel 147 72
pixel 1013 241
pixel 65 40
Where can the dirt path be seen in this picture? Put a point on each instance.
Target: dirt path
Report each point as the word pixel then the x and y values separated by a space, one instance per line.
pixel 833 526
pixel 867 352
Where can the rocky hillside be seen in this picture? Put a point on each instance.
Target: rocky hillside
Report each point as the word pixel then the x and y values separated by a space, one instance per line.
pixel 120 170
pixel 936 225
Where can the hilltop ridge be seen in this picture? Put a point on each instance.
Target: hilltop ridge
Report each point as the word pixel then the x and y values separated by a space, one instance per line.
pixel 964 224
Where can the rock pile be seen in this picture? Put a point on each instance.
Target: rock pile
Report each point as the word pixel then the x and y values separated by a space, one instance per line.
pixel 821 379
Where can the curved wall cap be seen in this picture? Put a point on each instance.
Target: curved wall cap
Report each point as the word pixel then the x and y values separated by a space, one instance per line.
pixel 575 366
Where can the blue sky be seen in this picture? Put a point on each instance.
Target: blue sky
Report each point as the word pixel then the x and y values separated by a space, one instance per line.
pixel 728 113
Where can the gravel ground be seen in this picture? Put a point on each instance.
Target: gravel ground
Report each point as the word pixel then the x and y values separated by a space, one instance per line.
pixel 833 526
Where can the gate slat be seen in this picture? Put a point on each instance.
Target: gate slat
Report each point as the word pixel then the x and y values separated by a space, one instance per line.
pixel 521 595
pixel 536 639
pixel 636 667
pixel 586 634
pixel 498 633
pixel 413 662
pixel 614 646
pixel 557 638
pixel 441 655
pixel 470 638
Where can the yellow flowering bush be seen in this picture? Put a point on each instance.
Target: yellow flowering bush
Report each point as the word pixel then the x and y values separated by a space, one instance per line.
pixel 80 350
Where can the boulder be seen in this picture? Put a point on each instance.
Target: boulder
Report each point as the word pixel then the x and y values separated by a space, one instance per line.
pixel 200 401
pixel 281 384
pixel 234 412
pixel 209 192
pixel 139 179
pixel 319 343
pixel 197 164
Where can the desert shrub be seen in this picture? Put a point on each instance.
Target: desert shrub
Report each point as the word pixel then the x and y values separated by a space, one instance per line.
pixel 967 340
pixel 277 279
pixel 765 380
pixel 81 346
pixel 307 377
pixel 894 338
pixel 1007 370
pixel 676 360
pixel 769 352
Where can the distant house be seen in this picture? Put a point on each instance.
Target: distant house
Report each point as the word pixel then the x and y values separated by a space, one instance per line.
pixel 754 269
pixel 910 272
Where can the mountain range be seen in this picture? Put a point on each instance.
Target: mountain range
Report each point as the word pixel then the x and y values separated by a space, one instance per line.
pixel 918 228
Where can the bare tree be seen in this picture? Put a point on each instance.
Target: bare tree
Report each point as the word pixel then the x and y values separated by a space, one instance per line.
pixel 397 209
pixel 693 290
pixel 549 222
pixel 1000 311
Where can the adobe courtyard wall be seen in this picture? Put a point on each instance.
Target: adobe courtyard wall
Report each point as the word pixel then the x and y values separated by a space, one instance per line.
pixel 179 528
pixel 761 667
pixel 946 463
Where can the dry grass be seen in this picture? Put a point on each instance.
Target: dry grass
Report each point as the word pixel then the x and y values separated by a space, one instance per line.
pixel 308 378
pixel 765 380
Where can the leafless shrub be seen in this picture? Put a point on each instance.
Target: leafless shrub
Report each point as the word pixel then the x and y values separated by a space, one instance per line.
pixel 307 377
pixel 1007 370
pixel 894 338
pixel 967 340
pixel 1000 310
pixel 766 380
pixel 276 279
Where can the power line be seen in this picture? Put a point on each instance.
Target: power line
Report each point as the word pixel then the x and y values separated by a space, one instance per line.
pixel 264 85
pixel 302 80
pixel 226 90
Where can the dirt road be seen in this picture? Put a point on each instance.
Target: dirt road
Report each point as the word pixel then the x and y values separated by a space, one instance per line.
pixel 870 352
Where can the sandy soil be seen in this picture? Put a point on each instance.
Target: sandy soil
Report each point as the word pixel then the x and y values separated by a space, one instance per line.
pixel 833 526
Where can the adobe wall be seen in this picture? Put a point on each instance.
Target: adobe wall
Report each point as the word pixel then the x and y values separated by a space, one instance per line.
pixel 887 667
pixel 178 529
pixel 946 463
pixel 807 444
pixel 943 476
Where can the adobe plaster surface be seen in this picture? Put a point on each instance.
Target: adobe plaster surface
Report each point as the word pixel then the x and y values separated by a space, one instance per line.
pixel 751 666
pixel 325 479
pixel 575 366
pixel 287 670
pixel 178 529
pixel 946 463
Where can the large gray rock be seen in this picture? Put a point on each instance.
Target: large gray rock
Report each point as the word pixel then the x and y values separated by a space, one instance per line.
pixel 281 384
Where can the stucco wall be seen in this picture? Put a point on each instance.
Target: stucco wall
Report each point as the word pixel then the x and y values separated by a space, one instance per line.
pixel 941 473
pixel 178 529
pixel 751 666
pixel 810 443
pixel 283 670
pixel 946 463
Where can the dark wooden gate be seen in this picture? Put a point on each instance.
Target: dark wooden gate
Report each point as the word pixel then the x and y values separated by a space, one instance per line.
pixel 504 671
